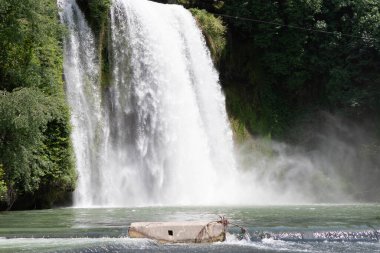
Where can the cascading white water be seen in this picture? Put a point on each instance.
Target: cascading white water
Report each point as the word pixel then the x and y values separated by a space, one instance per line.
pixel 159 133
pixel 81 71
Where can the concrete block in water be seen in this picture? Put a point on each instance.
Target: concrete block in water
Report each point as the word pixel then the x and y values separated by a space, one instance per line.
pixel 179 232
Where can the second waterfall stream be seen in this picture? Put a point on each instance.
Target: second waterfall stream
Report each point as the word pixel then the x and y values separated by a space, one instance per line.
pixel 158 134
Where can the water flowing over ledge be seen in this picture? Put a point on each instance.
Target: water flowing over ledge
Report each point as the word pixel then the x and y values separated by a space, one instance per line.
pixel 159 133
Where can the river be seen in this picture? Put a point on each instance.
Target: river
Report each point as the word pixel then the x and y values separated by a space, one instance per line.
pixel 305 228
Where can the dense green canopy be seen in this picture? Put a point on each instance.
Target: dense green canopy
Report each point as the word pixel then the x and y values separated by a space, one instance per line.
pixel 35 150
pixel 286 60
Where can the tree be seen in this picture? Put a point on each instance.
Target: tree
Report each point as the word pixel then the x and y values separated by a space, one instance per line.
pixel 25 115
pixel 293 57
pixel 30 42
pixel 36 153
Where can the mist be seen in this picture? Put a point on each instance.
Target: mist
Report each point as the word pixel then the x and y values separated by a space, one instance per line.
pixel 334 161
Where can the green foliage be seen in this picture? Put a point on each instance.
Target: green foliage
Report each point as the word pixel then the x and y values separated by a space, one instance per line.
pixel 242 115
pixel 3 186
pixel 35 149
pixel 31 51
pixel 99 8
pixel 55 159
pixel 214 31
pixel 25 114
pixel 286 72
pixel 96 12
pixel 209 5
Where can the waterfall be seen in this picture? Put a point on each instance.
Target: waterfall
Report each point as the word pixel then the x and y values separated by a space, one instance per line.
pixel 158 134
pixel 81 71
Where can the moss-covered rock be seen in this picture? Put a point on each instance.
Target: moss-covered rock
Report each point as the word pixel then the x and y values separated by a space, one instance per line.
pixel 214 31
pixel 97 14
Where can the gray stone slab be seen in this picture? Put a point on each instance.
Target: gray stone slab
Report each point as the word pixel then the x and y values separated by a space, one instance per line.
pixel 179 232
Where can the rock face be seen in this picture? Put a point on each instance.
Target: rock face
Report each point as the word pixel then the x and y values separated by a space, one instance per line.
pixel 179 232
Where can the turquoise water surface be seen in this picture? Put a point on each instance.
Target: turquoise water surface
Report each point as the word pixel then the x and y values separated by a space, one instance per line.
pixel 306 228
